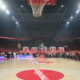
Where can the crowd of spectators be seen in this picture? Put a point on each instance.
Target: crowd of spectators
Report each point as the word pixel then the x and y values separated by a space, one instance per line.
pixel 8 54
pixel 74 55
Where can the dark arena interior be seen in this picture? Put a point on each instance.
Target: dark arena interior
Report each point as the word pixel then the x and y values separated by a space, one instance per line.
pixel 39 39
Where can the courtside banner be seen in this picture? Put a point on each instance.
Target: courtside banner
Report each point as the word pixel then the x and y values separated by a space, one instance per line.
pixel 34 49
pixel 61 49
pixel 25 49
pixel 52 49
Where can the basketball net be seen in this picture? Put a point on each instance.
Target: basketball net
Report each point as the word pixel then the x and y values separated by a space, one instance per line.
pixel 37 7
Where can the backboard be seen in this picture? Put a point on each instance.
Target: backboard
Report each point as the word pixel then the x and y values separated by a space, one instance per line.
pixel 38 6
pixel 49 2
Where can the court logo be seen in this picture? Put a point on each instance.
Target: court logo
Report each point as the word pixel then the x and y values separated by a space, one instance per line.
pixel 40 74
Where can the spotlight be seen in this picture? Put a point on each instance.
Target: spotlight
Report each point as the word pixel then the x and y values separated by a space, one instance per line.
pixel 0 2
pixel 3 7
pixel 22 6
pixel 7 11
pixel 17 22
pixel 62 5
pixel 14 19
pixel 71 17
pixel 77 11
pixel 68 22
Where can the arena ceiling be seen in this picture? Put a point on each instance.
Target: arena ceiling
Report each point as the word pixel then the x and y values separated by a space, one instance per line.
pixel 61 21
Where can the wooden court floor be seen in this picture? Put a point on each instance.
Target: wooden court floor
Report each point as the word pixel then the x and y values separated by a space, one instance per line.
pixel 9 68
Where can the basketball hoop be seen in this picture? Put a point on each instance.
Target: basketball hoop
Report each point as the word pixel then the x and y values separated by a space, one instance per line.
pixel 37 7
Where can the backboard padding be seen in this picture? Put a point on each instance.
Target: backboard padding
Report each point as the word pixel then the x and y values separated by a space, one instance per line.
pixel 50 2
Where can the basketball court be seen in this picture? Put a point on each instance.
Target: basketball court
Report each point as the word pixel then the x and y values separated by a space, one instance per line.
pixel 39 40
pixel 69 69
